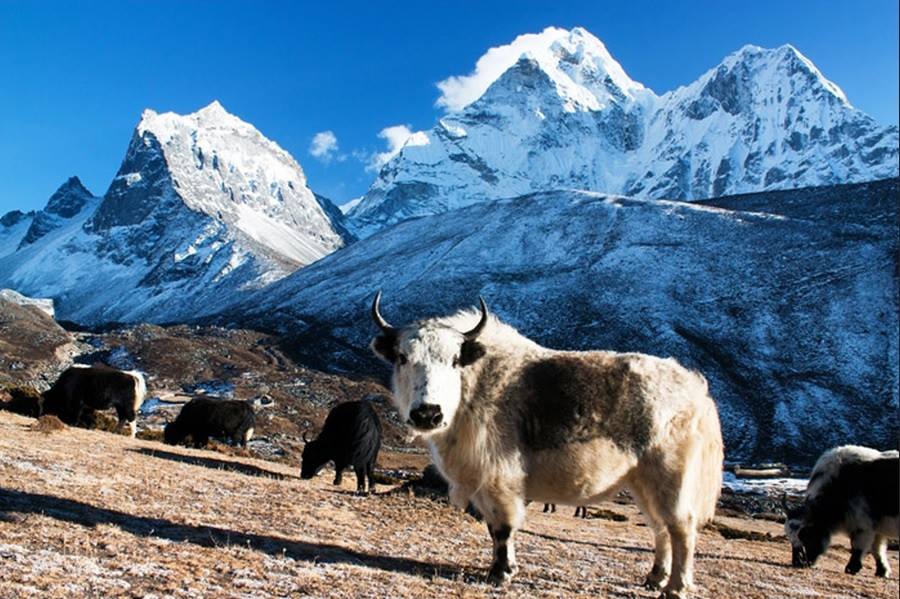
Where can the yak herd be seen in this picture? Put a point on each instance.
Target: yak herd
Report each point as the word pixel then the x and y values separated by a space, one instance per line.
pixel 508 422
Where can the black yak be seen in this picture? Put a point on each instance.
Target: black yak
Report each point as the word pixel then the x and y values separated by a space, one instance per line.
pixel 351 436
pixel 202 418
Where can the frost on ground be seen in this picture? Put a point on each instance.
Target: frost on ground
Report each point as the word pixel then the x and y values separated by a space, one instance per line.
pixel 86 513
pixel 768 486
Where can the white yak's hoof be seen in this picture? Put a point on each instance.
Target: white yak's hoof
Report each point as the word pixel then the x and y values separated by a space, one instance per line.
pixel 499 576
pixel 656 580
pixel 653 585
pixel 670 593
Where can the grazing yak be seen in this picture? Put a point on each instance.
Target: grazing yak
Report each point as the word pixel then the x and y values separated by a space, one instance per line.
pixel 202 418
pixel 509 421
pixel 854 490
pixel 80 390
pixel 351 436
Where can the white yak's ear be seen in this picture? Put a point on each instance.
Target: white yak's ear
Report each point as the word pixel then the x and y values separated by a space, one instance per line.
pixel 385 347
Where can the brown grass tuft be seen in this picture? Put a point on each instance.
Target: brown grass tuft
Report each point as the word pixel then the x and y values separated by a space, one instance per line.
pixel 109 423
pixel 730 532
pixel 151 435
pixel 47 424
pixel 605 514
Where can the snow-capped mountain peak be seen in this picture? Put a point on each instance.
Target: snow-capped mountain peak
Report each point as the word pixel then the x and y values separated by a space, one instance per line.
pixel 791 58
pixel 203 207
pixel 69 199
pixel 225 168
pixel 72 199
pixel 214 110
pixel 585 74
pixel 212 116
pixel 553 110
pixel 775 76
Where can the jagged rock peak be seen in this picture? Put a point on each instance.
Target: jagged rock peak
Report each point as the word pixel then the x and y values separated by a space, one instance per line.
pixel 69 198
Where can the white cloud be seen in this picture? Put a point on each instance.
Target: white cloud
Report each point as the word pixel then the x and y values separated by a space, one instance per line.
pixel 324 146
pixel 458 92
pixel 396 137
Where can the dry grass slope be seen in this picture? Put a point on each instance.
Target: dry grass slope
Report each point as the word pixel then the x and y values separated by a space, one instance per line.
pixel 87 513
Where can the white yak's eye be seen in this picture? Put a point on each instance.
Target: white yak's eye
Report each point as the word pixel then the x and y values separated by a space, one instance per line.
pixel 401 359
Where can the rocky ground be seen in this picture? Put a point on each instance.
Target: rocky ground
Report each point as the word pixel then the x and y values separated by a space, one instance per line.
pixel 181 362
pixel 88 513
pixel 32 345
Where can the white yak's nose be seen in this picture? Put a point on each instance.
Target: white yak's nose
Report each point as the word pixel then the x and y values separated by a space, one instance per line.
pixel 426 416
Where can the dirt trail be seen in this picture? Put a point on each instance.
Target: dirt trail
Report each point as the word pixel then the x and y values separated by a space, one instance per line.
pixel 86 513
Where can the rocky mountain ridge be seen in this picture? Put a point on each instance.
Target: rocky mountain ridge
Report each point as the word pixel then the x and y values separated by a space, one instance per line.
pixel 202 209
pixel 565 115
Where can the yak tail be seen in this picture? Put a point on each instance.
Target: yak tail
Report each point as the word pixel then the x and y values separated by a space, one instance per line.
pixel 140 389
pixel 707 463
pixel 248 423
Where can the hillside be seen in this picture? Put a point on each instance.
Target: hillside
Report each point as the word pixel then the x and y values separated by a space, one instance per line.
pixel 33 346
pixel 787 304
pixel 86 513
pixel 182 362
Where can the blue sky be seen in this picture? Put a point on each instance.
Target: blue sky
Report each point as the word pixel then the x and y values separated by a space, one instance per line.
pixel 76 75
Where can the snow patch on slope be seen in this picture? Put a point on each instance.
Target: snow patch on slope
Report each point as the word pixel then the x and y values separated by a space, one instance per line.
pixel 44 305
pixel 13 227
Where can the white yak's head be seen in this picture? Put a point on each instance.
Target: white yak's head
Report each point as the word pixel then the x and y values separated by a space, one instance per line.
pixel 428 358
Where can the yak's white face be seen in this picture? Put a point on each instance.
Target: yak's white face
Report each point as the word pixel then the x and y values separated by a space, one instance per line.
pixel 427 386
pixel 427 374
pixel 428 358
